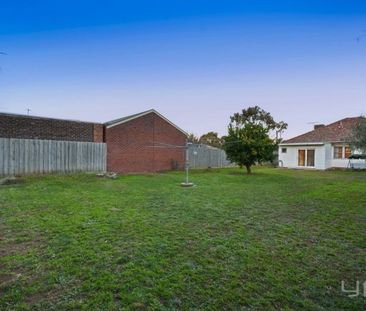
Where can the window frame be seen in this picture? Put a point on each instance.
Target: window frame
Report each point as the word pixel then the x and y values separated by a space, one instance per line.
pixel 345 152
pixel 337 147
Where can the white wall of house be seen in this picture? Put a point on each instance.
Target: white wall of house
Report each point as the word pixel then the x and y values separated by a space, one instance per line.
pixel 328 154
pixel 341 163
pixel 290 159
pixel 324 156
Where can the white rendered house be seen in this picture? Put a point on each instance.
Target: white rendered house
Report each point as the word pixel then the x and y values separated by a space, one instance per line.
pixel 322 148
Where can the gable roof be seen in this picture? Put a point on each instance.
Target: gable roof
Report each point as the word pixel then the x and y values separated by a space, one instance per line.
pixel 334 132
pixel 115 122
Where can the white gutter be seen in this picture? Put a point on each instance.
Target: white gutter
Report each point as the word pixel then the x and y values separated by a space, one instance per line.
pixel 302 144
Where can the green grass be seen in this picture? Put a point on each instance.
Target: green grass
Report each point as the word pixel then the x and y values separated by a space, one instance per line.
pixel 278 239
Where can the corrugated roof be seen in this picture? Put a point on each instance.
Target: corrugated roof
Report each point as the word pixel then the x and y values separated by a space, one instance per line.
pixel 334 132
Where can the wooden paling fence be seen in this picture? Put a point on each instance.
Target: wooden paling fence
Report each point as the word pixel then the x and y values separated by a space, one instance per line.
pixel 34 156
pixel 204 156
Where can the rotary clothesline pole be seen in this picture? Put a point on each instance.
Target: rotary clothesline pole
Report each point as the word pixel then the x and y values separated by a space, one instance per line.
pixel 186 183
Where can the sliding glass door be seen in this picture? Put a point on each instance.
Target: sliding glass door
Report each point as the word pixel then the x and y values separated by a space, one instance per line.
pixel 301 158
pixel 306 157
pixel 310 161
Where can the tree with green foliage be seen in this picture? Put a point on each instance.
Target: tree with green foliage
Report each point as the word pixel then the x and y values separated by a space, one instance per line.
pixel 248 141
pixel 358 135
pixel 211 139
pixel 192 138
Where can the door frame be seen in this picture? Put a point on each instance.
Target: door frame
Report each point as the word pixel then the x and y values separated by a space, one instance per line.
pixel 305 157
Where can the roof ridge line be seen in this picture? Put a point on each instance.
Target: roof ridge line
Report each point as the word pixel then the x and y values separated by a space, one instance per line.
pixel 137 115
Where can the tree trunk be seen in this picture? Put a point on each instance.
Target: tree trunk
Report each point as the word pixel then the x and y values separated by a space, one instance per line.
pixel 249 171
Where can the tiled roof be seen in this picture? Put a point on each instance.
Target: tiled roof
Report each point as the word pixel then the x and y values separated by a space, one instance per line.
pixel 334 132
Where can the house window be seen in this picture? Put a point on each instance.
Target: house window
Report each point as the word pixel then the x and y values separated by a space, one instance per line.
pixel 301 157
pixel 310 159
pixel 284 150
pixel 338 152
pixel 347 152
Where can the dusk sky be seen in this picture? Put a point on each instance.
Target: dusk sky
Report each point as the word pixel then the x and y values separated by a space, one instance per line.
pixel 196 62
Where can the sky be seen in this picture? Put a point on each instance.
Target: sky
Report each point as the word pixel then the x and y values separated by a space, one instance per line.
pixel 196 62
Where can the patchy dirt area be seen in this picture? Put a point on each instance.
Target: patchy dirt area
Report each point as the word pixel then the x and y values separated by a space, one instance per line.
pixel 11 181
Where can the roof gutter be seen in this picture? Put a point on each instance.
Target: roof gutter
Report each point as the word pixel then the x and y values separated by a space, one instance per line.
pixel 302 144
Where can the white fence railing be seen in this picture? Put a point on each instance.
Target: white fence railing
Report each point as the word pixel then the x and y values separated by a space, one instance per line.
pixel 32 156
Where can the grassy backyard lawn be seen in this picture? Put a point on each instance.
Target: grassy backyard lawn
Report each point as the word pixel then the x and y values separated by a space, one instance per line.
pixel 279 239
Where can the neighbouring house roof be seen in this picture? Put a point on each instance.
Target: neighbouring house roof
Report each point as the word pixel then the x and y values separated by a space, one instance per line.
pixel 16 115
pixel 334 132
pixel 115 122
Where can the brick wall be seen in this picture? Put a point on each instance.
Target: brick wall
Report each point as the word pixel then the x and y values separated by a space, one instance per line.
pixel 29 127
pixel 98 133
pixel 130 145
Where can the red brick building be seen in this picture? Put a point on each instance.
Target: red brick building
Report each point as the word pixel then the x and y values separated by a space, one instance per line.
pixel 144 142
pixel 32 127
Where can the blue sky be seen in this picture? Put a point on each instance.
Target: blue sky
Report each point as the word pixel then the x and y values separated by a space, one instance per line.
pixel 197 62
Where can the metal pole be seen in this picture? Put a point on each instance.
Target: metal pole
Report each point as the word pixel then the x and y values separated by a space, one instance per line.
pixel 187 164
pixel 187 183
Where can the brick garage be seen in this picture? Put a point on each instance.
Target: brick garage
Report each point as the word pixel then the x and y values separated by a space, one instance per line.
pixel 140 143
pixel 30 127
pixel 135 144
